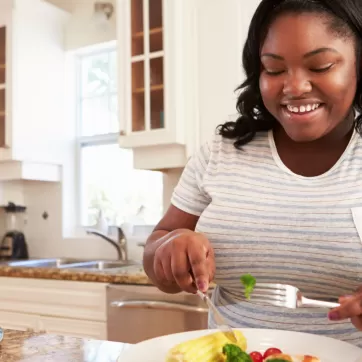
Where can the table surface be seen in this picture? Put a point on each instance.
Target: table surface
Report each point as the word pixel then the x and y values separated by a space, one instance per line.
pixel 19 346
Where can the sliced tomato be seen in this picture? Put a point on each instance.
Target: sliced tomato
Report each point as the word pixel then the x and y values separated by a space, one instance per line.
pixel 271 352
pixel 256 356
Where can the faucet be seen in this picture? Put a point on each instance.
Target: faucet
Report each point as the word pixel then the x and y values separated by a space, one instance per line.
pixel 120 244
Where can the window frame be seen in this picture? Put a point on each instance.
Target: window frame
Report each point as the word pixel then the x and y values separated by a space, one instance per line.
pixel 87 141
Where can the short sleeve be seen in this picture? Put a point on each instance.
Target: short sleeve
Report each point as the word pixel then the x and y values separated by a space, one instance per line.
pixel 189 194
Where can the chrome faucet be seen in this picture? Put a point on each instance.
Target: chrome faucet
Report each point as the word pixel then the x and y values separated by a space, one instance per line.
pixel 120 244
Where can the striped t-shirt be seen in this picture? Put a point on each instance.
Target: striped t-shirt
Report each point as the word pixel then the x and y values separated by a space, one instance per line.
pixel 263 219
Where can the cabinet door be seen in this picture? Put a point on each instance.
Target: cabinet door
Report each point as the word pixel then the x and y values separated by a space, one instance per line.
pixel 5 73
pixel 221 32
pixel 73 327
pixel 18 321
pixel 146 29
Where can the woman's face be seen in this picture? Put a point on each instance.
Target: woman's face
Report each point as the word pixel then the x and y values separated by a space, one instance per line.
pixel 308 76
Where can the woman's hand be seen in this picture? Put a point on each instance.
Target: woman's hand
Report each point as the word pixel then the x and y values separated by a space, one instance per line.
pixel 350 308
pixel 185 258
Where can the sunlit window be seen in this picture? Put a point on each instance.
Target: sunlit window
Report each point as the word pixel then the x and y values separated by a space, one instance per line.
pixel 107 180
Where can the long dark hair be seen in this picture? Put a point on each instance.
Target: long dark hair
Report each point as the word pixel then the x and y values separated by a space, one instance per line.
pixel 345 19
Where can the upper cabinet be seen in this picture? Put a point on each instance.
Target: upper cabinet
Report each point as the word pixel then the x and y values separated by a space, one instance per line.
pixel 180 62
pixel 3 43
pixel 5 79
pixel 147 66
pixel 150 48
pixel 32 85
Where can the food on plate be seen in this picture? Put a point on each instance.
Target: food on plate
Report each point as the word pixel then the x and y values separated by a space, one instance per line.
pixel 233 353
pixel 216 347
pixel 249 283
pixel 208 348
pixel 271 352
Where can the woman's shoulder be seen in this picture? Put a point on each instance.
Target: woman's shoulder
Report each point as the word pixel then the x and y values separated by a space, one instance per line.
pixel 219 144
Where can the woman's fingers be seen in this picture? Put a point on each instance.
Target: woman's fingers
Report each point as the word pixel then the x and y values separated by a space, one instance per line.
pixel 348 309
pixel 180 270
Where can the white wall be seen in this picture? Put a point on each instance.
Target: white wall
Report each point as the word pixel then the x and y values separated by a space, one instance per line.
pixel 170 180
pixel 82 32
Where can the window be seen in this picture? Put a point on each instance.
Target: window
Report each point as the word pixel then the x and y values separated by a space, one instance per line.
pixel 107 180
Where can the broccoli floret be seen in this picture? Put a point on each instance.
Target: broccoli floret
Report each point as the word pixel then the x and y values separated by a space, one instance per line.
pixel 234 353
pixel 249 283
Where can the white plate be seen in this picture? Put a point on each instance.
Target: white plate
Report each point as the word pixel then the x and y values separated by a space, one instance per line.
pixel 327 349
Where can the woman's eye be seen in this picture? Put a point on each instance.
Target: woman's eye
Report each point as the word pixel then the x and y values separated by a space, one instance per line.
pixel 275 72
pixel 321 70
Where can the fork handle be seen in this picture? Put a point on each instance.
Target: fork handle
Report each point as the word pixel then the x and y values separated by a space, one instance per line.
pixel 318 303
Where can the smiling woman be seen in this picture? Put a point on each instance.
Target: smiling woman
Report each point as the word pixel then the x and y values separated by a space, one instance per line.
pixel 277 192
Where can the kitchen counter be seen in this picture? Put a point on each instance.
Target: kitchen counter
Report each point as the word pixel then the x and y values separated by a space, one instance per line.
pixel 133 274
pixel 28 346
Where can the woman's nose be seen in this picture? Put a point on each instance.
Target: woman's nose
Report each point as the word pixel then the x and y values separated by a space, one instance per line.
pixel 295 85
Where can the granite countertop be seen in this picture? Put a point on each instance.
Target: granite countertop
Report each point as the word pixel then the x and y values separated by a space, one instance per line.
pixel 133 274
pixel 28 346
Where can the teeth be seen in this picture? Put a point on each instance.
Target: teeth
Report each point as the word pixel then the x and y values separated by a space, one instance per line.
pixel 303 109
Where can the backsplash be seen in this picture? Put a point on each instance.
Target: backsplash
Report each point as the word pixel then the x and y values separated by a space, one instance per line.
pixel 46 237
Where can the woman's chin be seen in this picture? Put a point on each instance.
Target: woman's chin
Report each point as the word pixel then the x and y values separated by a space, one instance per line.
pixel 303 135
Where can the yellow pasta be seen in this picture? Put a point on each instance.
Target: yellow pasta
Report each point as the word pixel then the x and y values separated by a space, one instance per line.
pixel 204 349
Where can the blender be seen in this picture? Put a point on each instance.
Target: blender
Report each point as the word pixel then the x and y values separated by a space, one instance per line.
pixel 13 245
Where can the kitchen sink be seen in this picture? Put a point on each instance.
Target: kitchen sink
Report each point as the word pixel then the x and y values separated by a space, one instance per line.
pixel 44 263
pixel 72 263
pixel 102 264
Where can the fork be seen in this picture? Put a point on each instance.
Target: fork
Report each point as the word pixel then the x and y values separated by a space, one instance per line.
pixel 288 296
pixel 218 318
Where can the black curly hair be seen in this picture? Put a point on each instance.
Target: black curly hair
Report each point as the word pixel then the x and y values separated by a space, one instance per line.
pixel 344 17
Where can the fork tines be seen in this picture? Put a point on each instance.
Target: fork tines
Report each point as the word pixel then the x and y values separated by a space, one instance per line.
pixel 275 294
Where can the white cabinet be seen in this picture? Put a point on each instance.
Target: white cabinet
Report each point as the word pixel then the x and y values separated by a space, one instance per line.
pixel 32 73
pixel 150 72
pixel 180 63
pixel 54 306
pixel 153 97
pixel 73 327
pixel 5 78
pixel 18 321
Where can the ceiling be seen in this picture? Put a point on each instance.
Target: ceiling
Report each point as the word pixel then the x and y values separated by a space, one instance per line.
pixel 67 5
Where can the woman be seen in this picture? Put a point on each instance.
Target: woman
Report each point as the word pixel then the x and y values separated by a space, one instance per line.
pixel 278 193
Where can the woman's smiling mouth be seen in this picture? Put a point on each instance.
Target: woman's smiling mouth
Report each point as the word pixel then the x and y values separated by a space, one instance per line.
pixel 302 109
pixel 302 112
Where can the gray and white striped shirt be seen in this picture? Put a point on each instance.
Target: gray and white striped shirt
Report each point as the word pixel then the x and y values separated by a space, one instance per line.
pixel 263 219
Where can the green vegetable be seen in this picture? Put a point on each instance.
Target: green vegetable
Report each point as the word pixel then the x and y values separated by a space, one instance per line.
pixel 249 283
pixel 234 353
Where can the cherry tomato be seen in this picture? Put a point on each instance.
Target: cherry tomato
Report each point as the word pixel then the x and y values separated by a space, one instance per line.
pixel 256 356
pixel 271 352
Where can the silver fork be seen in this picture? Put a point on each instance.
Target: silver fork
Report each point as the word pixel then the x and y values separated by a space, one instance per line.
pixel 283 295
pixel 218 318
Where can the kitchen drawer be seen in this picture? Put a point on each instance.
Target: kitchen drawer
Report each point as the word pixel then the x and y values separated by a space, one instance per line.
pixel 69 299
pixel 73 327
pixel 18 321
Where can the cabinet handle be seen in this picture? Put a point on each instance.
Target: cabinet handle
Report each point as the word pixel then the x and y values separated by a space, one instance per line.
pixel 122 133
pixel 139 304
